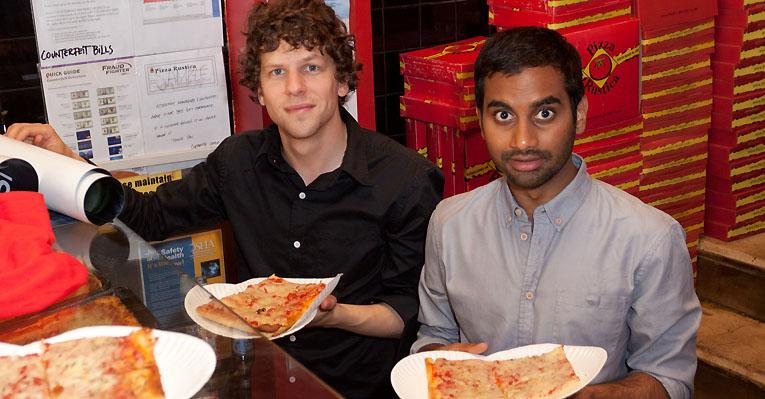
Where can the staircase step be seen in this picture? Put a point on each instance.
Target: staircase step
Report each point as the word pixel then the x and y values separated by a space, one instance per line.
pixel 731 355
pixel 732 274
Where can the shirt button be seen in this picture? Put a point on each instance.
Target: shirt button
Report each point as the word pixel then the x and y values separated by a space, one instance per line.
pixel 517 211
pixel 529 295
pixel 296 244
pixel 524 236
pixel 509 220
pixel 558 220
pixel 293 338
pixel 301 195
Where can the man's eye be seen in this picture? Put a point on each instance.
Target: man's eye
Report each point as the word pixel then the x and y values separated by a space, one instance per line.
pixel 545 114
pixel 503 116
pixel 312 68
pixel 277 72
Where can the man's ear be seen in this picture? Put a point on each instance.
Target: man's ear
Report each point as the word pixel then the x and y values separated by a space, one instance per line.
pixel 260 97
pixel 342 89
pixel 581 115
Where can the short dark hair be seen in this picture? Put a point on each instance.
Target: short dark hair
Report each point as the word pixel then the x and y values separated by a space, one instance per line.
pixel 308 24
pixel 513 50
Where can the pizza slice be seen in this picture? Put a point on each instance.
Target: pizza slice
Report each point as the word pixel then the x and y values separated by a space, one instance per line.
pixel 451 379
pixel 271 306
pixel 103 367
pixel 534 377
pixel 541 376
pixel 22 377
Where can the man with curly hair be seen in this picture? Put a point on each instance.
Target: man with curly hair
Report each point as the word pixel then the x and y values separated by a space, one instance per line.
pixel 313 195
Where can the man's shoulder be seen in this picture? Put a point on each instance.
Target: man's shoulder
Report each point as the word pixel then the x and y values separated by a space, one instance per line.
pixel 468 205
pixel 383 151
pixel 621 205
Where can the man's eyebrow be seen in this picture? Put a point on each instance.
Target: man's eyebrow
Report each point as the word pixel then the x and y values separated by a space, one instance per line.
pixel 498 104
pixel 546 101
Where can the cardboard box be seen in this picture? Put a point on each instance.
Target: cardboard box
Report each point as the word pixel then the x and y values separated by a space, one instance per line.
pixel 450 63
pixel 505 15
pixel 736 216
pixel 556 7
pixel 416 136
pixel 677 38
pixel 678 114
pixel 737 135
pixel 731 72
pixel 658 198
pixel 611 68
pixel 598 130
pixel 723 121
pixel 738 183
pixel 730 163
pixel 746 37
pixel 740 17
pixel 737 54
pixel 658 15
pixel 676 96
pixel 677 76
pixel 728 200
pixel 691 54
pixel 727 232
pixel 449 93
pixel 739 86
pixel 672 184
pixel 623 173
pixel 479 169
pixel 664 169
pixel 679 144
pixel 463 118
pixel 739 4
pixel 615 148
pixel 680 127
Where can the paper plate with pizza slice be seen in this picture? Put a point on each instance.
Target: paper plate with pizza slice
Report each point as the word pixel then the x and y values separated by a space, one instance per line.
pixel 549 371
pixel 108 361
pixel 271 307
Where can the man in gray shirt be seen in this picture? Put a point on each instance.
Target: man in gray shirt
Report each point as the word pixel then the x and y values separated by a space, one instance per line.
pixel 546 253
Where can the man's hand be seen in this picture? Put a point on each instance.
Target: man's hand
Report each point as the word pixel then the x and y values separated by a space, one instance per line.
pixel 636 385
pixel 475 349
pixel 375 320
pixel 41 135
pixel 324 314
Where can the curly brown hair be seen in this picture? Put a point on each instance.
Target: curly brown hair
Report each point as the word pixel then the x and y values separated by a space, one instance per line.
pixel 308 24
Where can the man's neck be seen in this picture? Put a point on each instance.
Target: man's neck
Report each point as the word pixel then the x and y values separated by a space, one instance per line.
pixel 316 155
pixel 531 199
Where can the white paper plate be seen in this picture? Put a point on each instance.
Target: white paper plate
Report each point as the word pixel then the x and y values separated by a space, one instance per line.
pixel 409 378
pixel 198 296
pixel 185 362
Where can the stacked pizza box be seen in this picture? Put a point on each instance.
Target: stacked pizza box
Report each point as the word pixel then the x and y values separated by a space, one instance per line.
pixel 677 39
pixel 556 14
pixel 736 173
pixel 438 106
pixel 608 43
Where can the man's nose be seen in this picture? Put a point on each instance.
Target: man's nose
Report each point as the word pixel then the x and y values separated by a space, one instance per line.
pixel 523 136
pixel 295 83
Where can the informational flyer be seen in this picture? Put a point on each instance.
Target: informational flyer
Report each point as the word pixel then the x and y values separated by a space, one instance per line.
pixel 140 106
pixel 76 31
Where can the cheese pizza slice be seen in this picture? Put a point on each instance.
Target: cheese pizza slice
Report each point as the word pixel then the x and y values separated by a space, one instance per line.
pixel 22 377
pixel 103 367
pixel 271 306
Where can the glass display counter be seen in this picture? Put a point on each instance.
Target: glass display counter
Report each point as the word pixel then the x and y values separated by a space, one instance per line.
pixel 130 283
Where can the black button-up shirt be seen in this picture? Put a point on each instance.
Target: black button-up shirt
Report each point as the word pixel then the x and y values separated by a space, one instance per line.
pixel 367 219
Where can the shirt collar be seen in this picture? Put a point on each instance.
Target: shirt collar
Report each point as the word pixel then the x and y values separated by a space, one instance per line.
pixel 354 160
pixel 562 207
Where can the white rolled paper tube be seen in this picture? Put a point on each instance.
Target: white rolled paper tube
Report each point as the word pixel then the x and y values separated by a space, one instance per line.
pixel 74 188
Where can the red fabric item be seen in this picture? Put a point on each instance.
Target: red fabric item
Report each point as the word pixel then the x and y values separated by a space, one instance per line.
pixel 34 276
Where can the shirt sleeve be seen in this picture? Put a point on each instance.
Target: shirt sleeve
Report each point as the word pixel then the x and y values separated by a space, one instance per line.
pixel 665 316
pixel 405 238
pixel 192 202
pixel 436 317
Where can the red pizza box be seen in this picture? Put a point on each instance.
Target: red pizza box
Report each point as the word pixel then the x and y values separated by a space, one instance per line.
pixel 622 173
pixel 727 232
pixel 460 96
pixel 693 222
pixel 479 168
pixel 741 181
pixel 679 37
pixel 556 7
pixel 729 71
pixel 504 15
pixel 598 129
pixel 654 173
pixel 677 128
pixel 458 161
pixel 684 208
pixel 738 4
pixel 733 163
pixel 445 143
pixel 679 114
pixel 689 55
pixel 739 86
pixel 611 68
pixel 736 54
pixel 729 107
pixel 452 63
pixel 416 136
pixel 677 76
pixel 598 152
pixel 674 184
pixel 658 198
pixel 740 134
pixel 728 200
pixel 740 17
pixel 735 216
pixel 463 118
pixel 728 120
pixel 675 96
pixel 657 15
pixel 681 141
pixel 745 37
pixel 434 154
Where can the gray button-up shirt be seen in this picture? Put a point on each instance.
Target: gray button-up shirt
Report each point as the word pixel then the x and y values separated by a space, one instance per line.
pixel 596 267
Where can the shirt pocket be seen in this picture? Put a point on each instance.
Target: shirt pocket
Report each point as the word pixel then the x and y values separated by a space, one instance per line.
pixel 591 318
